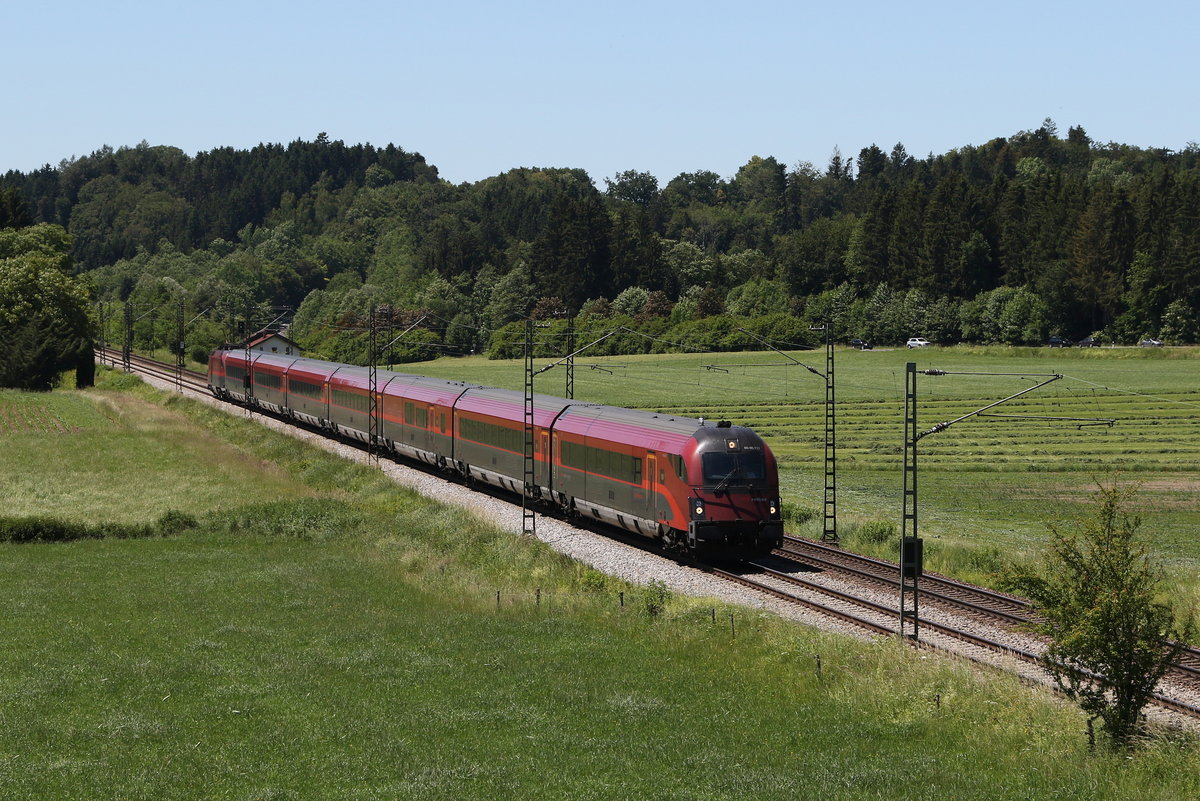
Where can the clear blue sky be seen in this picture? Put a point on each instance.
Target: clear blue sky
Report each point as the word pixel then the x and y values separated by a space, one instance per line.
pixel 665 87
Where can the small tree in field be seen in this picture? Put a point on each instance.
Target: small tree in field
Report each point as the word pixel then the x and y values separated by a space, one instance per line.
pixel 1111 640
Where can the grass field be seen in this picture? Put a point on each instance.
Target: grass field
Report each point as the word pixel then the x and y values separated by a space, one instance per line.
pixel 344 640
pixel 113 456
pixel 988 485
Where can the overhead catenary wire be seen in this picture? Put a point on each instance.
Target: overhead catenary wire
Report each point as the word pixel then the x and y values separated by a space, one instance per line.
pixel 1131 392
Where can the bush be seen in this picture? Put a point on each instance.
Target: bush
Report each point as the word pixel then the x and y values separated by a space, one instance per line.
pixel 52 529
pixel 174 521
pixel 794 516
pixel 305 519
pixel 875 532
pixel 656 597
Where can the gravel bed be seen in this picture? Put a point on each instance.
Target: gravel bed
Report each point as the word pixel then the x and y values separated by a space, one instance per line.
pixel 640 567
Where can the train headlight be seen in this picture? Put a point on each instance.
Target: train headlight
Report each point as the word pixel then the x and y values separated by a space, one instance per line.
pixel 697 509
pixel 772 509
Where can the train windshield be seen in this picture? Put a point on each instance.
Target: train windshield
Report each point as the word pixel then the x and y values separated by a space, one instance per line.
pixel 745 467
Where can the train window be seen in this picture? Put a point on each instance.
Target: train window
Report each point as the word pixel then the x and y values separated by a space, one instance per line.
pixel 235 371
pixel 600 461
pixel 306 389
pixel 718 466
pixel 422 417
pixel 409 413
pixel 351 400
pixel 733 467
pixel 572 455
pixel 268 380
pixel 510 439
pixel 676 463
pixel 752 465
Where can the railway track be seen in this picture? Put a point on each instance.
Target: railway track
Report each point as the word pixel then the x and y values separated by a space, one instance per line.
pixel 988 606
pixel 947 592
pixel 164 372
pixel 956 599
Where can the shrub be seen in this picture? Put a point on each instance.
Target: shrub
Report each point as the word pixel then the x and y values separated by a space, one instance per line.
pixel 174 521
pixel 875 532
pixel 656 597
pixel 44 528
pixel 794 515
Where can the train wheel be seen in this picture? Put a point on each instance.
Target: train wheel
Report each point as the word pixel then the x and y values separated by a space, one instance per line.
pixel 566 505
pixel 668 539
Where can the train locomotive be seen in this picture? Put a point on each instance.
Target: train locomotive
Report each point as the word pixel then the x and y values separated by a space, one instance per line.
pixel 687 482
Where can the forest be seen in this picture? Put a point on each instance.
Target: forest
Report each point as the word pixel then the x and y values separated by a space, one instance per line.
pixel 1027 236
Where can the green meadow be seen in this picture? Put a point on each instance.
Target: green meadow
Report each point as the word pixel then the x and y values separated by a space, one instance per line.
pixel 321 633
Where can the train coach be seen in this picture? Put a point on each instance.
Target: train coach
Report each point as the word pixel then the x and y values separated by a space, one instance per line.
pixel 682 480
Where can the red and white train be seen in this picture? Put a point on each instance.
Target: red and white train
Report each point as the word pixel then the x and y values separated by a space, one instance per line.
pixel 684 481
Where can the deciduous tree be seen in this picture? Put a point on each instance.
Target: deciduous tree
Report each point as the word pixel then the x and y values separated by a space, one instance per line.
pixel 45 322
pixel 1097 596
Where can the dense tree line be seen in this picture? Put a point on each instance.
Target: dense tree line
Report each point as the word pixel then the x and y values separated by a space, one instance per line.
pixel 1022 237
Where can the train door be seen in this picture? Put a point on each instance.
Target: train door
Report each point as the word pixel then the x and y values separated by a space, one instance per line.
pixel 430 420
pixel 651 473
pixel 542 465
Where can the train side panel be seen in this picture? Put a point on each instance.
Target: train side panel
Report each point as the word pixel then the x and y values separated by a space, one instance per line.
pixel 350 402
pixel 269 374
pixel 308 395
pixel 619 465
pixel 489 431
pixel 420 414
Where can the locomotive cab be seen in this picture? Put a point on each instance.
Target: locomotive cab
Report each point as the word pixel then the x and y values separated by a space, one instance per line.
pixel 734 490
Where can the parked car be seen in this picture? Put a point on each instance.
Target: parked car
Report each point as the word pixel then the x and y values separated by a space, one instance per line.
pixel 1151 342
pixel 1058 342
pixel 917 342
pixel 1089 342
pixel 861 344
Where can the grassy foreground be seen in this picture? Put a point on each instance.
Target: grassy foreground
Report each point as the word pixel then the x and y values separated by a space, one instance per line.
pixel 344 640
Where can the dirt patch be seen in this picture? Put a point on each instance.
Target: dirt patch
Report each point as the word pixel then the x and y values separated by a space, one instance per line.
pixel 1175 484
pixel 1171 492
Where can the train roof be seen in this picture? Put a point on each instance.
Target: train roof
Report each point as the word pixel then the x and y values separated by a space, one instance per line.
pixel 657 430
pixel 511 405
pixel 654 430
pixel 348 374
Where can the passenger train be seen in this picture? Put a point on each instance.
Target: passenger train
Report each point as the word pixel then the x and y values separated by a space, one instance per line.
pixel 687 482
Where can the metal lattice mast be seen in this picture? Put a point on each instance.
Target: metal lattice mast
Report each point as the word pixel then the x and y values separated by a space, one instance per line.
pixel 127 348
pixel 100 311
pixel 528 516
pixel 911 558
pixel 249 354
pixel 373 390
pixel 910 543
pixel 389 333
pixel 829 532
pixel 179 347
pixel 570 363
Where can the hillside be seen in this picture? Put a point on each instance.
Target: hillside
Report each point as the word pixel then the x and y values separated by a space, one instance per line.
pixel 1025 236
